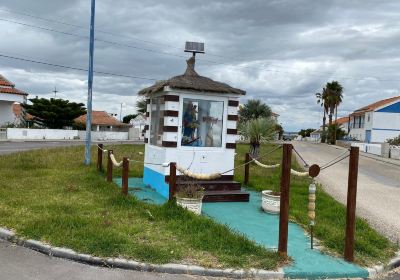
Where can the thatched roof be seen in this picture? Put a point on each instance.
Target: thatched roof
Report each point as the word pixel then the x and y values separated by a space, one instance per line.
pixel 190 80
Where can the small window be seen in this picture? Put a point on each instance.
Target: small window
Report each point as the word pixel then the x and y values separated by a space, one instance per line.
pixel 157 121
pixel 202 123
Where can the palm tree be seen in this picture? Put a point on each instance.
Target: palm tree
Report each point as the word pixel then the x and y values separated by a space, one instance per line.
pixel 322 99
pixel 141 105
pixel 335 97
pixel 254 109
pixel 257 131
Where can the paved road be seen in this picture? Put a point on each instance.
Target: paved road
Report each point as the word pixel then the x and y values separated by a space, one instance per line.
pixel 378 195
pixel 19 263
pixel 7 147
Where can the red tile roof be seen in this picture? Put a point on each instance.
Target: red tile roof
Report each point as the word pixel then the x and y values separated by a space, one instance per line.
pixel 101 118
pixel 373 106
pixel 7 87
pixel 341 120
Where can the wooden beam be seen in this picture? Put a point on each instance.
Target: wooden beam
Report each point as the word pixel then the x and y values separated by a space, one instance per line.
pixel 351 205
pixel 100 157
pixel 172 180
pixel 109 167
pixel 246 169
pixel 285 195
pixel 125 175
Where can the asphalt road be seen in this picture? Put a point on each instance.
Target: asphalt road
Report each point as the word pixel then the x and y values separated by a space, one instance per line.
pixel 378 194
pixel 19 263
pixel 7 147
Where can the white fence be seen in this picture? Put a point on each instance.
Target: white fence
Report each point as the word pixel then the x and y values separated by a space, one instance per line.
pixel 63 134
pixel 395 152
pixel 41 134
pixel 375 149
pixel 104 135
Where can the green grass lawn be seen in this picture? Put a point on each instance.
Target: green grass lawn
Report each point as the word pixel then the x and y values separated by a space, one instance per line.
pixel 50 195
pixel 370 246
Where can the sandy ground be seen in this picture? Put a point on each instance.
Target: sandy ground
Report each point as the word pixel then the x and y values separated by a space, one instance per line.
pixel 378 196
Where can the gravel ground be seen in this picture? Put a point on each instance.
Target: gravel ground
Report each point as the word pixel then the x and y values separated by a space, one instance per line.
pixel 378 195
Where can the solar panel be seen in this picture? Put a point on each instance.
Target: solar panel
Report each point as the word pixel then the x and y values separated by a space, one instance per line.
pixel 194 47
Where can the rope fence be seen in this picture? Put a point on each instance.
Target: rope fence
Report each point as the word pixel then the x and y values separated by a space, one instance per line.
pixel 312 172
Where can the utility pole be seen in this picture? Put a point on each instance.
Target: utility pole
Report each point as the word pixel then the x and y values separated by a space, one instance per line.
pixel 55 92
pixel 90 86
pixel 120 113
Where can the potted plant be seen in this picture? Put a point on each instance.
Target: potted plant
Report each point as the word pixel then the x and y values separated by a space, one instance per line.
pixel 190 196
pixel 271 201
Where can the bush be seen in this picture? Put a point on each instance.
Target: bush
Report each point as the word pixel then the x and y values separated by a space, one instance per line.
pixel 394 141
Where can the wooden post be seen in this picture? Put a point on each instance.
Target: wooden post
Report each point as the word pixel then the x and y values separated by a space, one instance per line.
pixel 125 175
pixel 247 169
pixel 351 205
pixel 100 157
pixel 109 167
pixel 284 207
pixel 172 180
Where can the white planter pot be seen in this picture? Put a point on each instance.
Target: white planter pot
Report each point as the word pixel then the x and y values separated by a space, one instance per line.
pixel 191 204
pixel 270 203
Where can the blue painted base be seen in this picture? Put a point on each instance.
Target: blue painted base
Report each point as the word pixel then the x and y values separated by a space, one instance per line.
pixel 263 228
pixel 156 181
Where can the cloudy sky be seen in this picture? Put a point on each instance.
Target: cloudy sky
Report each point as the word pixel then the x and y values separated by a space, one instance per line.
pixel 279 51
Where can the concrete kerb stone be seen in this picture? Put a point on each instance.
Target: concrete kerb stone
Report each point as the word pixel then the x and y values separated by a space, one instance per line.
pixel 70 254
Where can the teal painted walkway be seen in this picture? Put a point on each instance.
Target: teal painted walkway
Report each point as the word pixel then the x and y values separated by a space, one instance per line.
pixel 261 227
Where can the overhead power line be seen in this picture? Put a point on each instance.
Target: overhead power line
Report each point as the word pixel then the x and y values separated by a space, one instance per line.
pixel 75 68
pixel 182 56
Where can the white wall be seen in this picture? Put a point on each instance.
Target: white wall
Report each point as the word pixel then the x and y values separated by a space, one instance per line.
pixel 358 133
pixel 104 135
pixel 62 134
pixel 375 149
pixel 385 126
pixel 6 112
pixel 41 134
pixel 395 152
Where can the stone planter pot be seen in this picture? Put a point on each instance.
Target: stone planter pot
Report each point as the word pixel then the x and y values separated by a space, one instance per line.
pixel 191 204
pixel 271 202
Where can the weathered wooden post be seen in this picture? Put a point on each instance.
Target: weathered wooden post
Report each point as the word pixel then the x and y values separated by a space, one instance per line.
pixel 247 169
pixel 284 207
pixel 109 167
pixel 125 175
pixel 100 157
pixel 351 205
pixel 172 180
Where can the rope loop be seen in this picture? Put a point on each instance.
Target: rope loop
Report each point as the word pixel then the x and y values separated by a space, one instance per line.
pixel 198 176
pixel 114 162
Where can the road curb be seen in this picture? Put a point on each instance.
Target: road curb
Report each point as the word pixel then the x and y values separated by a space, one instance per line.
pixel 69 254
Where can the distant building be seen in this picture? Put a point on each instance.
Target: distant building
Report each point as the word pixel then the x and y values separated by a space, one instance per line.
pixel 139 123
pixel 8 96
pixel 376 122
pixel 102 121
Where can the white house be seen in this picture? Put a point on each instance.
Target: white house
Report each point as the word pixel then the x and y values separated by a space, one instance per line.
pixel 192 121
pixel 376 122
pixel 8 96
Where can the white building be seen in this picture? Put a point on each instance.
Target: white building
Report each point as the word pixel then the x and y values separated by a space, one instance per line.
pixel 8 96
pixel 192 121
pixel 376 122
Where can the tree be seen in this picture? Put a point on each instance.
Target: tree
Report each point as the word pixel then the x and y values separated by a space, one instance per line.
pixel 339 134
pixel 257 131
pixel 54 113
pixel 128 118
pixel 335 93
pixel 141 105
pixel 322 99
pixel 306 132
pixel 254 109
